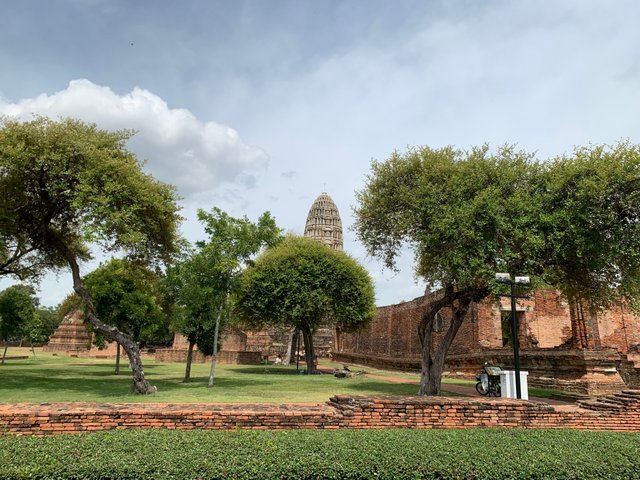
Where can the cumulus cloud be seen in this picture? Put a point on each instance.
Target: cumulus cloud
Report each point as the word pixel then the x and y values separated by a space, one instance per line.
pixel 181 149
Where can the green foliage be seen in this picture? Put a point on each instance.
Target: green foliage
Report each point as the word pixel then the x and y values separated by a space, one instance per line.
pixel 302 283
pixel 483 454
pixel 466 214
pixel 48 320
pixel 126 295
pixel 202 281
pixel 67 182
pixel 18 318
pixel 592 222
pixel 573 222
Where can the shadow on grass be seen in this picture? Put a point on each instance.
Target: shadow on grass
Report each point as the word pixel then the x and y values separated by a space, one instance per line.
pixel 267 369
pixel 96 382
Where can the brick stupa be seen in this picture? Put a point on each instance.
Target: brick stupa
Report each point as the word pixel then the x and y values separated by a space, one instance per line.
pixel 70 336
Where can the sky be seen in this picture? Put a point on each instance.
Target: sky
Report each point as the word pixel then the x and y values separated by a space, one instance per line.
pixel 264 104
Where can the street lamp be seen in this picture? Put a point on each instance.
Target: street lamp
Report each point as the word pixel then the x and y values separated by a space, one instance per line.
pixel 524 281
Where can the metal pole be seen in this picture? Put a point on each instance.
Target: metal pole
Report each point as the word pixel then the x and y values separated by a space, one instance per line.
pixel 516 343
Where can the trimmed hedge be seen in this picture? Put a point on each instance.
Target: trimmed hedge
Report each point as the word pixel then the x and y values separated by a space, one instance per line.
pixel 312 454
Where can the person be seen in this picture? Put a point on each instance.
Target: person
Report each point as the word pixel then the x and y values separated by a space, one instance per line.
pixel 278 360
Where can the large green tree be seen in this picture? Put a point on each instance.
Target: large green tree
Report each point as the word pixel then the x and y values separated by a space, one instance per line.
pixel 204 280
pixel 591 221
pixel 193 282
pixel 67 185
pixel 466 214
pixel 17 313
pixel 127 296
pixel 572 221
pixel 303 284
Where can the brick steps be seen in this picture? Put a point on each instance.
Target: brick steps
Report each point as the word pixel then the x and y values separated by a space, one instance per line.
pixel 615 402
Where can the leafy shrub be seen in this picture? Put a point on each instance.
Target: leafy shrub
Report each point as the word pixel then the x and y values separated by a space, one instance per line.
pixel 308 454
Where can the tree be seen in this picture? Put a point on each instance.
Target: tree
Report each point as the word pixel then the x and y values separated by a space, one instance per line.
pixel 67 184
pixel 193 283
pixel 204 281
pixel 592 225
pixel 126 295
pixel 17 313
pixel 303 284
pixel 49 321
pixel 466 215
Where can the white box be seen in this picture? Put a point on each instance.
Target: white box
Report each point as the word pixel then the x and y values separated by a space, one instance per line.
pixel 508 384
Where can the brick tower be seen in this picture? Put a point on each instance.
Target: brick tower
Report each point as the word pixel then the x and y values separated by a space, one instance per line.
pixel 323 222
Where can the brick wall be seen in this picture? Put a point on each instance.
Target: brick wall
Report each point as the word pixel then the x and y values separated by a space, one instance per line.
pixel 544 323
pixel 340 412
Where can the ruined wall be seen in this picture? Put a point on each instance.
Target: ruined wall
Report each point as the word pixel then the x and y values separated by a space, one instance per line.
pixel 544 321
pixel 342 411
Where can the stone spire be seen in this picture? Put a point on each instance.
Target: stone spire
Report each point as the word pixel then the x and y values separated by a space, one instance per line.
pixel 323 222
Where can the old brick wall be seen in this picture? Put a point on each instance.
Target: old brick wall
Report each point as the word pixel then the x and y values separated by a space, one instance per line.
pixel 545 339
pixel 340 412
pixel 620 329
pixel 544 322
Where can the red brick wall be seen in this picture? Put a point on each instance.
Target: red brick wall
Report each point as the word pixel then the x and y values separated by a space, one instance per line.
pixel 544 323
pixel 340 412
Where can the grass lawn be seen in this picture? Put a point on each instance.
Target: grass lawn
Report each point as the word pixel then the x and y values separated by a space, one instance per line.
pixel 49 378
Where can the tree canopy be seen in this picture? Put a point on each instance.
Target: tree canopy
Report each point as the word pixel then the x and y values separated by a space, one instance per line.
pixel 304 284
pixel 17 311
pixel 127 295
pixel 571 221
pixel 204 279
pixel 18 317
pixel 66 185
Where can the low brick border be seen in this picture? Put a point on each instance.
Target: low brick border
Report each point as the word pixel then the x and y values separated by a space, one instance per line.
pixel 341 411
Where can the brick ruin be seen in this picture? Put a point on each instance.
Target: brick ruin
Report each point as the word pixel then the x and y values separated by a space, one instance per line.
pixel 610 359
pixel 71 336
pixel 341 411
pixel 233 350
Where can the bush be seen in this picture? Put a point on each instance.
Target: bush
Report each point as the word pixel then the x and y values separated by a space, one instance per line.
pixel 308 454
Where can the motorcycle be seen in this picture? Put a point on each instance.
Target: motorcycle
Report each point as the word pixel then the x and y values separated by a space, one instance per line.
pixel 488 381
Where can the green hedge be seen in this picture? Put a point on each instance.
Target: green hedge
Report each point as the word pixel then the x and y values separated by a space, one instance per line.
pixel 306 454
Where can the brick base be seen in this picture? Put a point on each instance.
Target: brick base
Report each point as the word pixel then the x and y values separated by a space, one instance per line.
pixel 341 411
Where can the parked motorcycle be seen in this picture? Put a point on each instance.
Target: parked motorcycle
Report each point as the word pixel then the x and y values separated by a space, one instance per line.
pixel 488 381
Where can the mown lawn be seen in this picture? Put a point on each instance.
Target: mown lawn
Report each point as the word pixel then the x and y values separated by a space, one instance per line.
pixel 49 378
pixel 307 454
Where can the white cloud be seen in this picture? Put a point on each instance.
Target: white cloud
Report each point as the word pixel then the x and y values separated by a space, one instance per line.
pixel 180 149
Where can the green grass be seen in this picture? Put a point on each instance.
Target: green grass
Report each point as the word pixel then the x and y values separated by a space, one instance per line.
pixel 51 378
pixel 478 454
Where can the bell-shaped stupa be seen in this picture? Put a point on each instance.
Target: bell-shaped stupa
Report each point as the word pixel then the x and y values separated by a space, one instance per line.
pixel 323 222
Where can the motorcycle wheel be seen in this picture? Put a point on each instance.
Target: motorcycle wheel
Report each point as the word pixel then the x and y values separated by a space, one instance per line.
pixel 481 390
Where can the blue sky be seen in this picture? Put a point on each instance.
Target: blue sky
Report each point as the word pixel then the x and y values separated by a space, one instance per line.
pixel 262 105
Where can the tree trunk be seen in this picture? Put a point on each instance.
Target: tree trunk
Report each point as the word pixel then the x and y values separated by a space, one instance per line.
pixel 140 384
pixel 117 371
pixel 214 357
pixel 33 350
pixel 187 370
pixel 4 354
pixel 287 357
pixel 433 356
pixel 309 354
pixel 579 337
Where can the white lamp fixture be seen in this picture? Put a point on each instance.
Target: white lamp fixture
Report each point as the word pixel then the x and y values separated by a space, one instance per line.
pixel 503 278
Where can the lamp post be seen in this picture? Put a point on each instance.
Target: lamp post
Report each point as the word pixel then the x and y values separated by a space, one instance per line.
pixel 524 281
